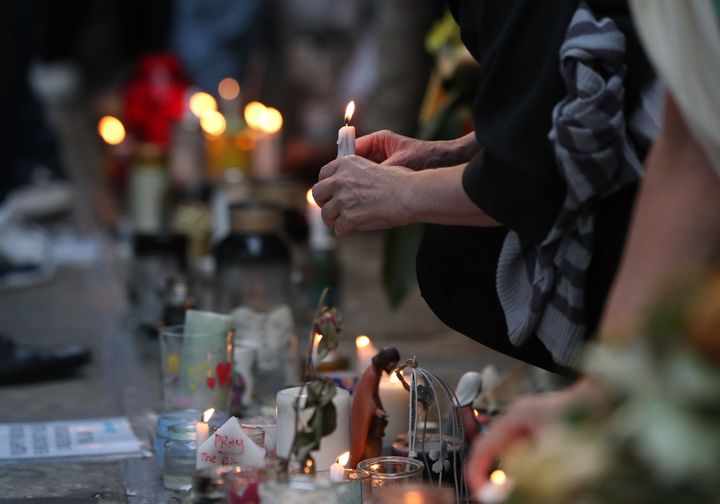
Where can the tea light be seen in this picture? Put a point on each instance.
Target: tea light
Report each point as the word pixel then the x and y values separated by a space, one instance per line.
pixel 496 490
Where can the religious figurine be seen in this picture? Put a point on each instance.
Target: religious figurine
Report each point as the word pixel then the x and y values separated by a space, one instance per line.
pixel 367 416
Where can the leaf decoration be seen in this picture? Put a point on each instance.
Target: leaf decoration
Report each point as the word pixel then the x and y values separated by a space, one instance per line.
pixel 323 421
pixel 329 324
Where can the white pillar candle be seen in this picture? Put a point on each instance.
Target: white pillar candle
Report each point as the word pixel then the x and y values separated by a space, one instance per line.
pixel 364 352
pixel 346 135
pixel 395 400
pixel 330 446
pixel 321 237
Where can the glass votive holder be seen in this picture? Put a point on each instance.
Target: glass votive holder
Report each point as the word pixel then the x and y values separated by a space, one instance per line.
pixel 415 494
pixel 392 471
pixel 179 456
pixel 299 489
pixel 355 486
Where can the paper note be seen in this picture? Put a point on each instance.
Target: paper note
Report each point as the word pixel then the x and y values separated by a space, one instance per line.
pixel 72 438
pixel 230 445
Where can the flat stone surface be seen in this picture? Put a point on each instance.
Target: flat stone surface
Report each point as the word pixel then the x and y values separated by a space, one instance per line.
pixel 88 305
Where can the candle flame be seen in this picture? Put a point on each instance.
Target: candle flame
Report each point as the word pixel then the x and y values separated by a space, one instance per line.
pixel 310 199
pixel 362 341
pixel 111 130
pixel 476 413
pixel 208 414
pixel 213 123
pixel 228 89
pixel 273 121
pixel 318 338
pixel 349 111
pixel 343 459
pixel 413 497
pixel 498 477
pixel 394 378
pixel 202 103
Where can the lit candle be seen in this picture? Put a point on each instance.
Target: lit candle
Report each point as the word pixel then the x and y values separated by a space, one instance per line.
pixel 321 237
pixel 496 490
pixel 202 429
pixel 266 123
pixel 330 445
pixel 337 470
pixel 395 400
pixel 346 135
pixel 364 352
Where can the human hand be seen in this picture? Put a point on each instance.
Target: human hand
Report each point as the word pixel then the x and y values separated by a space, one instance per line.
pixel 388 148
pixel 358 194
pixel 523 420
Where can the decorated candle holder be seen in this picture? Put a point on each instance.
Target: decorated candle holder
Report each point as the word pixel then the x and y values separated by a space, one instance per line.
pixel 392 471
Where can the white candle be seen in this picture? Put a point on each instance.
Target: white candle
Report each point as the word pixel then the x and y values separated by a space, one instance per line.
pixel 266 123
pixel 202 429
pixel 321 237
pixel 330 446
pixel 337 470
pixel 496 490
pixel 346 135
pixel 395 400
pixel 364 352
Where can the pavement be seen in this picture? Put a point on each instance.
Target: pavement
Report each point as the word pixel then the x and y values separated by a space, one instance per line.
pixel 86 303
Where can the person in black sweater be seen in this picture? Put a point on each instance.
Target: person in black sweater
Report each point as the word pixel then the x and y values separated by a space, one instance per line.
pixel 502 177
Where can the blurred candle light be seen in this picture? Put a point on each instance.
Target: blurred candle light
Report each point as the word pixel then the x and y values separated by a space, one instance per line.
pixel 255 115
pixel 202 103
pixel 111 130
pixel 364 352
pixel 496 490
pixel 213 123
pixel 267 123
pixel 337 470
pixel 228 89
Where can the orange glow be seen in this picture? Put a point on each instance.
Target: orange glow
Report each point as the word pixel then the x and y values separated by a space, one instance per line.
pixel 202 104
pixel 394 378
pixel 308 469
pixel 309 198
pixel 362 342
pixel 413 497
pixel 228 89
pixel 343 459
pixel 349 111
pixel 476 413
pixel 111 130
pixel 498 477
pixel 213 123
pixel 255 114
pixel 273 121
pixel 208 414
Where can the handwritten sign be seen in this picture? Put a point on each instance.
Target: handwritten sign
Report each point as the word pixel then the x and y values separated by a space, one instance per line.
pixel 73 438
pixel 230 445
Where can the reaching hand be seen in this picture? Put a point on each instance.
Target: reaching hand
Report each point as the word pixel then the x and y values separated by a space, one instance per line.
pixel 388 148
pixel 524 419
pixel 358 194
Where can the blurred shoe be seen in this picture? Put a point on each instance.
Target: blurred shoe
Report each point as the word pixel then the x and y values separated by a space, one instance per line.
pixel 23 364
pixel 24 252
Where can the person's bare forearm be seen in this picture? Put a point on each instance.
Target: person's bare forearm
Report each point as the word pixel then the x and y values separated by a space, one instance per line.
pixel 675 228
pixel 437 197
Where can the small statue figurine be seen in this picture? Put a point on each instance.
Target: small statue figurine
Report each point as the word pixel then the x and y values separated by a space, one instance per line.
pixel 367 416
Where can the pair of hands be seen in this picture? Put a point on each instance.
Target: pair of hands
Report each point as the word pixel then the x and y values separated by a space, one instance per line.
pixel 374 189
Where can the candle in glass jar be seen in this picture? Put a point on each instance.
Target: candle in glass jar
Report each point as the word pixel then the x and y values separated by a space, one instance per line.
pixel 346 135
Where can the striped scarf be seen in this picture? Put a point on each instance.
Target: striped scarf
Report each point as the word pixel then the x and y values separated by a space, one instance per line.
pixel 542 290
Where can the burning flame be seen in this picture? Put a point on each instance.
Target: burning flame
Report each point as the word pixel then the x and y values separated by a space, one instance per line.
pixel 310 199
pixel 349 111
pixel 362 341
pixel 498 477
pixel 208 414
pixel 111 130
pixel 228 89
pixel 476 413
pixel 213 123
pixel 343 459
pixel 266 119
pixel 201 104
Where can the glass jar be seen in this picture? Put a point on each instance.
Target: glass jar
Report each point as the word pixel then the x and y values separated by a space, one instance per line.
pixel 179 456
pixel 392 471
pixel 253 261
pixel 299 490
